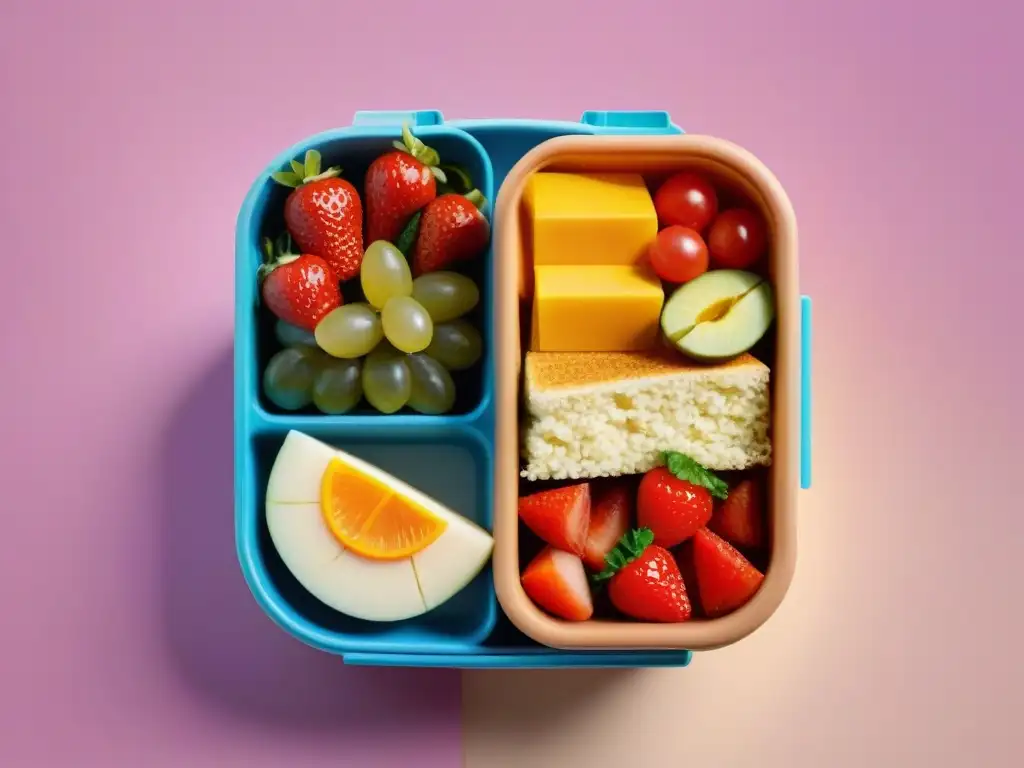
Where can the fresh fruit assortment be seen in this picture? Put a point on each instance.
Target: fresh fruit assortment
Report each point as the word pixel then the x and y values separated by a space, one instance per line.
pixel 621 389
pixel 638 541
pixel 387 324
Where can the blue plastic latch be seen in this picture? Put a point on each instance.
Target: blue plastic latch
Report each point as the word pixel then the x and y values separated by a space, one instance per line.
pixel 416 118
pixel 626 121
pixel 805 391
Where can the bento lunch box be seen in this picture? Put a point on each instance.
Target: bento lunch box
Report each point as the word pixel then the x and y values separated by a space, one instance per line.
pixel 468 459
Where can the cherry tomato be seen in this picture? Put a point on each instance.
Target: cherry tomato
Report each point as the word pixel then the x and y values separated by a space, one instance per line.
pixel 687 200
pixel 737 239
pixel 679 254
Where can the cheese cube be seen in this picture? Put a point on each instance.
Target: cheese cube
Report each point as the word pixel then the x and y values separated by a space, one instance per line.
pixel 592 219
pixel 595 309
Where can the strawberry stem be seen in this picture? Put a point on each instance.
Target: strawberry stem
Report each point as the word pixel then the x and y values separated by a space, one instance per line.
pixel 630 547
pixel 276 254
pixel 426 155
pixel 476 197
pixel 306 172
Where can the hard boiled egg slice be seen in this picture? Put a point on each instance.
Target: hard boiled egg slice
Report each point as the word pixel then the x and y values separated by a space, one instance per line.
pixel 362 541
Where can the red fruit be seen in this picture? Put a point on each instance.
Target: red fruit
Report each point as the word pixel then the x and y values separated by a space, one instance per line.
pixel 725 579
pixel 737 239
pixel 740 518
pixel 674 501
pixel 687 200
pixel 451 229
pixel 609 521
pixel 678 254
pixel 555 580
pixel 561 517
pixel 645 582
pixel 324 215
pixel 398 184
pixel 298 288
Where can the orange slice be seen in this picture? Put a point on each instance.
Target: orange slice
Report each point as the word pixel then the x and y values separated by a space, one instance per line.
pixel 371 519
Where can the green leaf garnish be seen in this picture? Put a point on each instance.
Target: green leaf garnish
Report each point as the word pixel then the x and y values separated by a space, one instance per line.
pixel 685 468
pixel 407 239
pixel 298 169
pixel 630 547
pixel 312 163
pixel 287 178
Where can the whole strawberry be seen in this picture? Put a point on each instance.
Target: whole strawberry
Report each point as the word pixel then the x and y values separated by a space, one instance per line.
pixel 324 215
pixel 644 580
pixel 398 184
pixel 674 501
pixel 298 288
pixel 451 229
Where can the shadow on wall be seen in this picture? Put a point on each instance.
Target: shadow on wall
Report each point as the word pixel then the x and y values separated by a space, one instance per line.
pixel 225 649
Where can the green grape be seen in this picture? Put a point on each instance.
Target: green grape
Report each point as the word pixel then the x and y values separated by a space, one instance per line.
pixel 433 391
pixel 338 386
pixel 407 324
pixel 384 273
pixel 386 381
pixel 456 345
pixel 350 331
pixel 445 295
pixel 289 335
pixel 288 377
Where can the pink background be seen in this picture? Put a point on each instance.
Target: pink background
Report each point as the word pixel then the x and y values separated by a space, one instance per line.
pixel 131 132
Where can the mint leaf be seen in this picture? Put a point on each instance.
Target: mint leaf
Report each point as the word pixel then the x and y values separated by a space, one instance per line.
pixel 629 548
pixel 407 239
pixel 685 468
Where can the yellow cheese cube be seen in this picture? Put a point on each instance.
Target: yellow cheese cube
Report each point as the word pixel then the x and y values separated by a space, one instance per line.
pixel 591 219
pixel 595 309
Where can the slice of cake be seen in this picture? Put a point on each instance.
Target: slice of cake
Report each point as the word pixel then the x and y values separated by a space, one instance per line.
pixel 602 414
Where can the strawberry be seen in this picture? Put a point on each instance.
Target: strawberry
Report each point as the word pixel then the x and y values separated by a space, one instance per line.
pixel 298 288
pixel 555 580
pixel 324 215
pixel 725 579
pixel 674 501
pixel 398 184
pixel 451 229
pixel 644 581
pixel 740 518
pixel 561 517
pixel 609 521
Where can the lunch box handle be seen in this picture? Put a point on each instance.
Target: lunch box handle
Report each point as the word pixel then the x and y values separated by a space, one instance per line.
pixel 416 118
pixel 805 391
pixel 632 122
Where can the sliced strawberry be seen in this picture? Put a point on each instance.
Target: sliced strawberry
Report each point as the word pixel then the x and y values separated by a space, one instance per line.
pixel 725 579
pixel 555 581
pixel 609 521
pixel 561 517
pixel 740 518
pixel 644 580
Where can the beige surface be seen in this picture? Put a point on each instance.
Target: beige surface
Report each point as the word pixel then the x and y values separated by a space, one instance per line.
pixel 815 687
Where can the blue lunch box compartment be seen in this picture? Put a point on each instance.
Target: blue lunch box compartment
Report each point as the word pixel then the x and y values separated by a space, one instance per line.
pixel 449 457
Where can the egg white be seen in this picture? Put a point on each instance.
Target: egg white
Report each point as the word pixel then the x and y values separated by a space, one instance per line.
pixel 374 590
